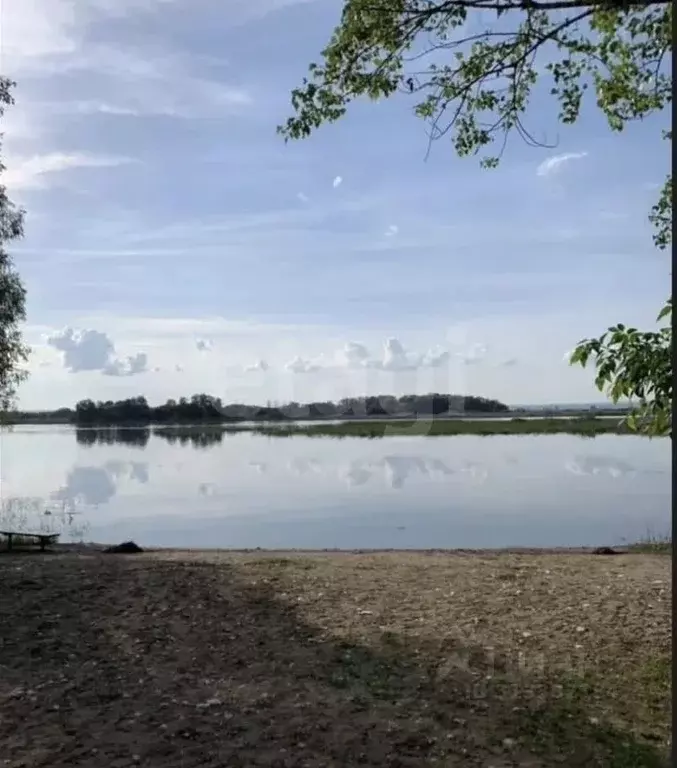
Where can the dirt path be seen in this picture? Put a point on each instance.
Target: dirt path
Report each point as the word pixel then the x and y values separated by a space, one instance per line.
pixel 175 660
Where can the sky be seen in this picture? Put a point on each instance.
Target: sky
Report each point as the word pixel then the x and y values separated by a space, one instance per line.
pixel 175 244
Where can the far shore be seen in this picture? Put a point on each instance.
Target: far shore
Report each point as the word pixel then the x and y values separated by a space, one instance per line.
pixel 657 546
pixel 374 427
pixel 52 419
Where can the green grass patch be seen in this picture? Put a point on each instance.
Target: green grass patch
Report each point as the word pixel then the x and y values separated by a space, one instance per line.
pixel 652 544
pixel 588 427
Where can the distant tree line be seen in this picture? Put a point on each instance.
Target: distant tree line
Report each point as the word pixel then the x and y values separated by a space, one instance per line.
pixel 208 409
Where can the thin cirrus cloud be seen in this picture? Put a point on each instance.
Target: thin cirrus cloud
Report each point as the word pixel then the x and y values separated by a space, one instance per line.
pixel 90 350
pixel 38 171
pixel 554 164
pixel 54 36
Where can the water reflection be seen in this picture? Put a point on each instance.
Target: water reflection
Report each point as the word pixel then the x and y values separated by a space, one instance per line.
pixel 246 490
pixel 196 438
pixel 355 474
pixel 93 486
pixel 259 466
pixel 132 436
pixel 597 465
pixel 301 467
pixel 395 469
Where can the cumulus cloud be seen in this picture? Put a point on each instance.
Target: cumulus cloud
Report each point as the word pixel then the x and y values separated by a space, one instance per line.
pixel 338 180
pixel 204 345
pixel 555 163
pixel 473 355
pixel 395 357
pixel 128 366
pixel 91 350
pixel 435 358
pixel 259 365
pixel 357 356
pixel 37 171
pixel 86 350
pixel 301 365
pixel 353 355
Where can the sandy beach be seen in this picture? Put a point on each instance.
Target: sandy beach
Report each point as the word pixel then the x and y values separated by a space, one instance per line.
pixel 185 659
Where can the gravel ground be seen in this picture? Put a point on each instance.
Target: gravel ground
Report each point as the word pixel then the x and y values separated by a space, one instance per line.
pixel 184 659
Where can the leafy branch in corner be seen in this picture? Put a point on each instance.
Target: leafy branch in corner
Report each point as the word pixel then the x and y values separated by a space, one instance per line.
pixel 472 67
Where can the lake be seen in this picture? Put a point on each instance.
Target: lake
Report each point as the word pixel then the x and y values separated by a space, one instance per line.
pixel 189 488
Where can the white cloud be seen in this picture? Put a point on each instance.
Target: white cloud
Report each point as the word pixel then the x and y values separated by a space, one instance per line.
pixel 86 350
pixel 473 355
pixel 51 36
pixel 301 365
pixel 554 164
pixel 91 350
pixel 130 366
pixel 302 197
pixel 36 171
pixel 392 230
pixel 204 345
pixel 435 358
pixel 353 355
pixel 259 365
pixel 396 358
pixel 29 32
pixel 338 180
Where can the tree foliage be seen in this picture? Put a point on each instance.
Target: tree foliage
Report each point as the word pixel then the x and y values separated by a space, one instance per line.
pixel 472 67
pixel 637 366
pixel 12 294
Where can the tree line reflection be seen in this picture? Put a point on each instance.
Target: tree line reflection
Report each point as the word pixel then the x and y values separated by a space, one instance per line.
pixel 138 437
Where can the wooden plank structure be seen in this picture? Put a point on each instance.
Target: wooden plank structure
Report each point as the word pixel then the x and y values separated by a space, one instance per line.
pixel 43 539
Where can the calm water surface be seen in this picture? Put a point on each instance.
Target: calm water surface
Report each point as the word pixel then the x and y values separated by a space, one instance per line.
pixel 196 490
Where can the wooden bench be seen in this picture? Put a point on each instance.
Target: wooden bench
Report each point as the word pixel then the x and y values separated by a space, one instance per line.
pixel 43 538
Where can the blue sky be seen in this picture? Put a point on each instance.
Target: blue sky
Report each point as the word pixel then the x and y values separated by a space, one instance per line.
pixel 175 244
